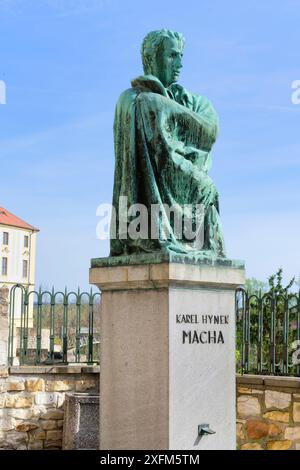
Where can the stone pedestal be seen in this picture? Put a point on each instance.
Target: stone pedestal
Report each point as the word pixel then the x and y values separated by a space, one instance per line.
pixel 167 352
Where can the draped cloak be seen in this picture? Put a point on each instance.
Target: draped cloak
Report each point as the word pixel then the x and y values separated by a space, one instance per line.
pixel 163 138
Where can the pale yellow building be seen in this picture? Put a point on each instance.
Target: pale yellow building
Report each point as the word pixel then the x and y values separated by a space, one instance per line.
pixel 17 257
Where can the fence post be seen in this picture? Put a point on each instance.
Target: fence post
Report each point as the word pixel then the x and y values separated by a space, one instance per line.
pixel 4 326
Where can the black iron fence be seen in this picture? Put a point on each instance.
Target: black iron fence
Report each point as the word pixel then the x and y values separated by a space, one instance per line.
pixel 48 327
pixel 268 333
pixel 63 327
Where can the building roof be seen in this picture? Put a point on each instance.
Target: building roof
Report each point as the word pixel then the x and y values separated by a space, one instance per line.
pixel 7 218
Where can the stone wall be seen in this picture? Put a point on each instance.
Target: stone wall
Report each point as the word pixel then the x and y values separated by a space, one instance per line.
pixel 32 403
pixel 32 407
pixel 3 324
pixel 268 413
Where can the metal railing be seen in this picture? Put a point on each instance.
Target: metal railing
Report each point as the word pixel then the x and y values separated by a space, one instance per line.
pixel 53 327
pixel 268 333
pixel 63 327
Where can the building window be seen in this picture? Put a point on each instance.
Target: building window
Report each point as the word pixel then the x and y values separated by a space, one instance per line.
pixel 4 267
pixel 5 238
pixel 25 268
pixel 26 241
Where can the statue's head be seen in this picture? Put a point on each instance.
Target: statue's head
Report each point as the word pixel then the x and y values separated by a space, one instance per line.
pixel 161 55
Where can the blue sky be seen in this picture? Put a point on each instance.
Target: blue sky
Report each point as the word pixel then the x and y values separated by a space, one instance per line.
pixel 65 62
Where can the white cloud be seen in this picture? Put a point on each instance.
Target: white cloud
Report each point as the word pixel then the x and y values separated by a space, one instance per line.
pixel 22 142
pixel 61 7
pixel 75 7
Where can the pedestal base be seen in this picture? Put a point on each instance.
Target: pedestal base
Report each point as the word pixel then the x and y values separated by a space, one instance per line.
pixel 167 355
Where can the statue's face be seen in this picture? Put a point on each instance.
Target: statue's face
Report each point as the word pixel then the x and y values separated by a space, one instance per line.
pixel 168 61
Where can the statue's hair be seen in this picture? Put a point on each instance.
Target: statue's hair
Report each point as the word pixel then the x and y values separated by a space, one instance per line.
pixel 152 42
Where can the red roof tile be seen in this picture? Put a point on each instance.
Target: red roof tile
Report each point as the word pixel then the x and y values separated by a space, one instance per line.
pixel 7 218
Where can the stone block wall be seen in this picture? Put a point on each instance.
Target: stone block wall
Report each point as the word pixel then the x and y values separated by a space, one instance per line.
pixel 32 407
pixel 268 413
pixel 32 403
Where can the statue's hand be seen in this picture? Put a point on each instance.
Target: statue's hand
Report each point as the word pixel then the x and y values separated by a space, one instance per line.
pixel 181 95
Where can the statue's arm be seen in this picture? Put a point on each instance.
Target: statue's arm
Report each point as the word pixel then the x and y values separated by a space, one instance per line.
pixel 199 108
pixel 173 129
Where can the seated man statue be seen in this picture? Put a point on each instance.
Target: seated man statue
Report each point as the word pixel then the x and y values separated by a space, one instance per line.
pixel 163 137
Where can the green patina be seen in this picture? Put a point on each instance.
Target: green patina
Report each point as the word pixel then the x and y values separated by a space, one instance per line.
pixel 158 257
pixel 163 138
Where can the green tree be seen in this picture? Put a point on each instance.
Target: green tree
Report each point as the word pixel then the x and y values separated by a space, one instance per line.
pixel 266 315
